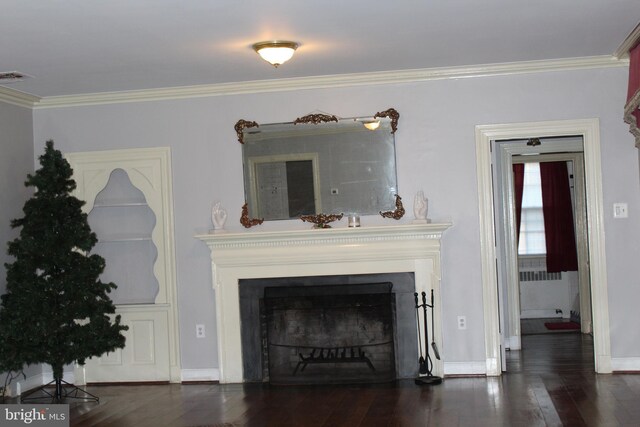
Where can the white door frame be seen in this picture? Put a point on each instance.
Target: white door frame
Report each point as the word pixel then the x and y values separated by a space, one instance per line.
pixel 589 129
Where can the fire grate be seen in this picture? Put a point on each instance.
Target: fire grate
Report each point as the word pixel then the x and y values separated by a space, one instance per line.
pixel 335 355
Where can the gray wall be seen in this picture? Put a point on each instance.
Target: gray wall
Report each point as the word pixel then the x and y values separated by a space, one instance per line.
pixel 435 147
pixel 16 161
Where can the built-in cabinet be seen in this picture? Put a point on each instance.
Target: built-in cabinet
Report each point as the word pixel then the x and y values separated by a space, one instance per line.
pixel 129 205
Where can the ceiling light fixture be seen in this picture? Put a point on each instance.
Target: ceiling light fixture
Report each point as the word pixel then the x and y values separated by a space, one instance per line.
pixel 276 52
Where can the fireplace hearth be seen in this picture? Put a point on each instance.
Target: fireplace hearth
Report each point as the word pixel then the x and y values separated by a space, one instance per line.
pixel 329 334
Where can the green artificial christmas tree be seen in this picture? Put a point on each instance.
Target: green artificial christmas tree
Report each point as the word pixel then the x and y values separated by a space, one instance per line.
pixel 56 309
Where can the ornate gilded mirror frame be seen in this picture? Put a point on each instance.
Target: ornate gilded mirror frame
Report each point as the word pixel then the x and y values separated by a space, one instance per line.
pixel 320 220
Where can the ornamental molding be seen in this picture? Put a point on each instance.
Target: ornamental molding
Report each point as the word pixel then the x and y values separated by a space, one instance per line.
pixel 331 237
pixel 622 52
pixel 19 98
pixel 252 254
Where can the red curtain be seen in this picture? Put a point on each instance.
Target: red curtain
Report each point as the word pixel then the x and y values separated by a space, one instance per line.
pixel 518 184
pixel 631 109
pixel 558 217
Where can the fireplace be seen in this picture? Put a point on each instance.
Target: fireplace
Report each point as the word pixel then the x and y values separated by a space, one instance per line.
pixel 255 260
pixel 329 334
pixel 398 288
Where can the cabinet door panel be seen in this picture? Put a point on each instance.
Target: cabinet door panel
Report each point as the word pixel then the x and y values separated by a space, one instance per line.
pixel 144 357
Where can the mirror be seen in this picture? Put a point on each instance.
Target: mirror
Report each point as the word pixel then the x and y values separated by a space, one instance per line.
pixel 319 164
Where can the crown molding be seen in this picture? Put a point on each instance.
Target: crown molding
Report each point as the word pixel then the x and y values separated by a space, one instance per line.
pixel 632 39
pixel 313 82
pixel 15 97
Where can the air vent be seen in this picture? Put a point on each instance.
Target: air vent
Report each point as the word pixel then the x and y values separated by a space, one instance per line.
pixel 11 76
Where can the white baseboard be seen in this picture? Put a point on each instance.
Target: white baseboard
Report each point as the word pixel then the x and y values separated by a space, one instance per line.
pixel 513 343
pixel 21 385
pixel 465 368
pixel 539 314
pixel 212 374
pixel 622 364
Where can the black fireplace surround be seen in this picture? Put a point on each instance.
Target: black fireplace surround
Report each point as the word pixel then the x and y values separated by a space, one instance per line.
pixel 329 329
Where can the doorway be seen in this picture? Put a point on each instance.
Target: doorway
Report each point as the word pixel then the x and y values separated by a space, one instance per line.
pixel 526 289
pixel 543 272
pixel 271 190
pixel 588 130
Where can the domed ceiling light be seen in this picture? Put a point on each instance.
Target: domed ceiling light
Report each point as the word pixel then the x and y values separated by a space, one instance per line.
pixel 276 52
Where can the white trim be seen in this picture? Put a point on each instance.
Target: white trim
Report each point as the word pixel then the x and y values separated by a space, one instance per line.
pixel 212 374
pixel 406 248
pixel 513 342
pixel 622 52
pixel 20 386
pixel 67 376
pixel 590 132
pixel 23 385
pixel 488 255
pixel 312 82
pixel 464 368
pixel 625 364
pixel 15 97
pixel 541 314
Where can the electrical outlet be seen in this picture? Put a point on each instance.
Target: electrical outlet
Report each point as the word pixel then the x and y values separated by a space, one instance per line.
pixel 462 322
pixel 200 331
pixel 620 210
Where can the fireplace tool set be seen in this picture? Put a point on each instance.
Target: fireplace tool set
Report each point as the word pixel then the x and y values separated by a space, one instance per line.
pixel 425 375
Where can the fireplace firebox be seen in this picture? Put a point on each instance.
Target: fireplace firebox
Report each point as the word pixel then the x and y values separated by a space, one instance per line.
pixel 336 299
pixel 329 334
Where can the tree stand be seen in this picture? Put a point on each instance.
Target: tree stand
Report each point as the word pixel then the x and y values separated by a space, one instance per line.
pixel 62 393
pixel 425 375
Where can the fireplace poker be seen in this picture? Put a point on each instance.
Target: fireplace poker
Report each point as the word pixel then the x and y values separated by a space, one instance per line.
pixel 425 374
pixel 433 335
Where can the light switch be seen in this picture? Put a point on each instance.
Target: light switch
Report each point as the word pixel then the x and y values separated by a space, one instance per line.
pixel 620 210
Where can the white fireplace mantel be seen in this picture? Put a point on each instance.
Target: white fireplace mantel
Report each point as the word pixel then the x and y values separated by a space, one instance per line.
pixel 257 254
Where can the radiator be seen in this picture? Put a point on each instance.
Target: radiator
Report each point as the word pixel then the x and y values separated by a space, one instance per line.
pixel 537 276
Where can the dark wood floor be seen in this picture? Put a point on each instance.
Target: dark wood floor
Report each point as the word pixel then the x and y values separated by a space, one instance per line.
pixel 536 326
pixel 550 383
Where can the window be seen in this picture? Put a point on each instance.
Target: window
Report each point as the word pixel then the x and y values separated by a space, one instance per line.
pixel 531 240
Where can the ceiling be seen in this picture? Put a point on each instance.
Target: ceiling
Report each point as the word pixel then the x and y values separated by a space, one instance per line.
pixel 72 47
